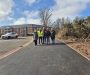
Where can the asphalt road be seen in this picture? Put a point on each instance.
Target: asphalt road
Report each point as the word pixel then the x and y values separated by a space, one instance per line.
pixel 9 44
pixel 45 60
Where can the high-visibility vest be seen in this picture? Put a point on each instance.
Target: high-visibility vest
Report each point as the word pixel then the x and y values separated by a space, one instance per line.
pixel 40 34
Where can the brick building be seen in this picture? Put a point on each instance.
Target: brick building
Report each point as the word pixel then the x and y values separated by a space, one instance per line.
pixel 22 30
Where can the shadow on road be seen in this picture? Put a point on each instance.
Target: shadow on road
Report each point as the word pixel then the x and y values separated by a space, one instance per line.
pixel 51 44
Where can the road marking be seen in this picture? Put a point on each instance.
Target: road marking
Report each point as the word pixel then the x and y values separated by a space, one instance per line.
pixel 74 49
pixel 15 50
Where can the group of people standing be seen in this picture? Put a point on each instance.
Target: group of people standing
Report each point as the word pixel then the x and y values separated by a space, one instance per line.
pixel 43 36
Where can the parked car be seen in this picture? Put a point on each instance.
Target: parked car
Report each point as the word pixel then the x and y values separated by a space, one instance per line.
pixel 9 35
pixel 30 34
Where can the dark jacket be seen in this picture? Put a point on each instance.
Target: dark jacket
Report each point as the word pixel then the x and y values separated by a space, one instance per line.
pixel 48 34
pixel 44 33
pixel 35 36
pixel 53 33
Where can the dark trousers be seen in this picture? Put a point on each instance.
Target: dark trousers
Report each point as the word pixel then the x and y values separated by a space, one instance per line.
pixel 48 40
pixel 35 42
pixel 44 39
pixel 40 40
pixel 53 41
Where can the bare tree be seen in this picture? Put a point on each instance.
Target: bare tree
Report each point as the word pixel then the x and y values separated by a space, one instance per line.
pixel 45 15
pixel 57 25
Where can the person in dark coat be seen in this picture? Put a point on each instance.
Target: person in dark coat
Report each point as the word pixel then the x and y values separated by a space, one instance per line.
pixel 44 35
pixel 48 34
pixel 53 33
pixel 35 37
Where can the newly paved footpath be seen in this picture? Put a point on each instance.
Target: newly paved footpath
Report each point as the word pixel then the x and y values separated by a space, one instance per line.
pixel 56 59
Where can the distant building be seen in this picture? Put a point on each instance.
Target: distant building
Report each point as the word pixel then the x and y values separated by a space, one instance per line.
pixel 22 30
pixel 0 32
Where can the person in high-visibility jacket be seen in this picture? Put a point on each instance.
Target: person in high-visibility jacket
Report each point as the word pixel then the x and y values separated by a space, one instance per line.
pixel 40 36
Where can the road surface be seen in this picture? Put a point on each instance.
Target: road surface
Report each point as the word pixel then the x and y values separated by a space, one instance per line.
pixel 9 44
pixel 56 59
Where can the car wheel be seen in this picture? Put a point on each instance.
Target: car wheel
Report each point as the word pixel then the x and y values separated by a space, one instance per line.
pixel 8 37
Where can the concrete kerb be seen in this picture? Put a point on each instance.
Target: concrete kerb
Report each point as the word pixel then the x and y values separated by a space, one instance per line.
pixel 74 49
pixel 15 50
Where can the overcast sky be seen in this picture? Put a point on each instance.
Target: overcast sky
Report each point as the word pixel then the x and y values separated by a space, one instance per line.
pixel 13 12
